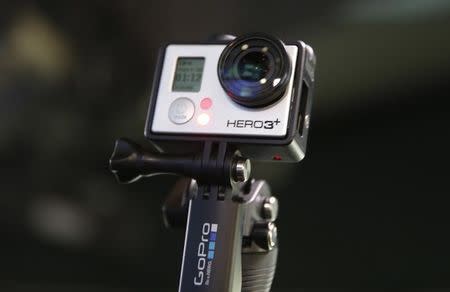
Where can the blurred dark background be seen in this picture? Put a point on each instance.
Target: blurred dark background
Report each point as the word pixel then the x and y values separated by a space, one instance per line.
pixel 367 207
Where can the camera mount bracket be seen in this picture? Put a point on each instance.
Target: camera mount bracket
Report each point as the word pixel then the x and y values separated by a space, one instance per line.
pixel 231 239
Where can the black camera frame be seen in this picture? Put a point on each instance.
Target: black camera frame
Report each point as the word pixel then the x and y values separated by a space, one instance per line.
pixel 290 148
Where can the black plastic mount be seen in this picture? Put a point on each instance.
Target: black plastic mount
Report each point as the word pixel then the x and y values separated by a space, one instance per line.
pixel 129 162
pixel 244 249
pixel 246 245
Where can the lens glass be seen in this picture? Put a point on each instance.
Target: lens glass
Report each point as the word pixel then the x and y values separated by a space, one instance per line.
pixel 253 67
pixel 254 70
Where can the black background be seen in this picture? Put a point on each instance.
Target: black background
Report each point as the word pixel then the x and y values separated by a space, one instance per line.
pixel 367 207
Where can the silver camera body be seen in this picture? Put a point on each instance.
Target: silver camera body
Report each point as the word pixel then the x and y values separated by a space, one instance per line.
pixel 254 91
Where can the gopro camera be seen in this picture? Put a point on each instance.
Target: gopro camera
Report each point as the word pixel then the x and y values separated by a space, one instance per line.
pixel 254 91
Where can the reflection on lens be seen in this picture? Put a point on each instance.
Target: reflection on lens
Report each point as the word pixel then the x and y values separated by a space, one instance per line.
pixel 254 70
pixel 253 67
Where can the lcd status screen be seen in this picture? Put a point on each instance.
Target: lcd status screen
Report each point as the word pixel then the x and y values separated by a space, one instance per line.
pixel 188 74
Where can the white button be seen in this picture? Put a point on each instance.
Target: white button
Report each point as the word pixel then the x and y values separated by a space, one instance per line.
pixel 181 110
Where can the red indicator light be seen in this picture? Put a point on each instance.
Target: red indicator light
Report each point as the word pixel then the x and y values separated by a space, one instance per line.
pixel 277 157
pixel 206 103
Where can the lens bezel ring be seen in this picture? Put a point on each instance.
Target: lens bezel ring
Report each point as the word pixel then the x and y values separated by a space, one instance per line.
pixel 261 94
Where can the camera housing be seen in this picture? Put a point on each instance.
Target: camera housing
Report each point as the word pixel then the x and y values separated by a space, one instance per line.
pixel 253 91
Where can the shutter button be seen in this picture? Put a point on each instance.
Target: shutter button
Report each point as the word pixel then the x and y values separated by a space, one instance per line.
pixel 181 110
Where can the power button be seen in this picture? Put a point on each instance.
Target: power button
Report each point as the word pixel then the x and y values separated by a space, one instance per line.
pixel 181 110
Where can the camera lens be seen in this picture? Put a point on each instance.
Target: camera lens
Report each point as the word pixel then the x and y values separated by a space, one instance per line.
pixel 254 70
pixel 253 66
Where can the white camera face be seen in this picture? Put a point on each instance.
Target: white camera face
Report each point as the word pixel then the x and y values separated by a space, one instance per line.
pixel 217 90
